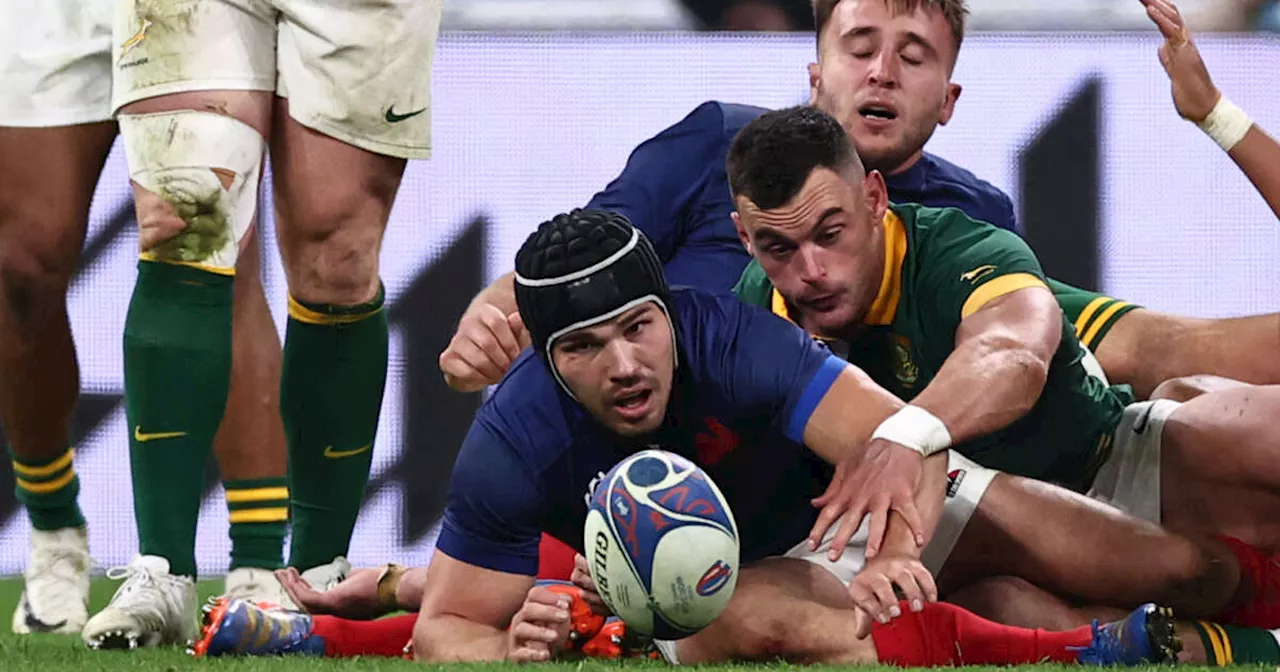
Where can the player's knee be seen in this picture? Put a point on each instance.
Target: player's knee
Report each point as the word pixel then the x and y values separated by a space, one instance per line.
pixel 336 263
pixel 33 279
pixel 196 183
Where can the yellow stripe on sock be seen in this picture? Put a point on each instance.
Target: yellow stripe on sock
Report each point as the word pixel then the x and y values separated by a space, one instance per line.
pixel 272 515
pixel 45 488
pixel 1226 645
pixel 1215 642
pixel 1102 320
pixel 1082 320
pixel 237 495
pixel 208 268
pixel 45 470
pixel 302 313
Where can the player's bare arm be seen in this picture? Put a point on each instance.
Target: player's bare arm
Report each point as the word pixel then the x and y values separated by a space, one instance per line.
pixel 458 623
pixel 490 336
pixel 1199 101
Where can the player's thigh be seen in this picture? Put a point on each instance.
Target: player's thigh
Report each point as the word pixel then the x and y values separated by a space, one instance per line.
pixel 777 605
pixel 1067 543
pixel 48 177
pixel 1220 464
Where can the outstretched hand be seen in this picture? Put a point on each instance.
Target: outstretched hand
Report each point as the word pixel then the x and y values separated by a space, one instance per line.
pixel 1194 93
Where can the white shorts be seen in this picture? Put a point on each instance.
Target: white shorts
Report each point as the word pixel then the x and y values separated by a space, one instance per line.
pixel 55 62
pixel 967 482
pixel 356 70
pixel 1130 478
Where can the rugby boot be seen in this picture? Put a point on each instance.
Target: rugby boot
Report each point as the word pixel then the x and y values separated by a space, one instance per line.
pixel 55 593
pixel 232 626
pixel 259 586
pixel 151 608
pixel 1144 637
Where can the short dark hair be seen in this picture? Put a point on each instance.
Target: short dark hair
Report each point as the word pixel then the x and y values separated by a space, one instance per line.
pixel 772 156
pixel 954 11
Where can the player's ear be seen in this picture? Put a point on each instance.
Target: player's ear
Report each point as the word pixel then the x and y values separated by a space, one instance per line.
pixel 815 78
pixel 949 103
pixel 742 232
pixel 876 194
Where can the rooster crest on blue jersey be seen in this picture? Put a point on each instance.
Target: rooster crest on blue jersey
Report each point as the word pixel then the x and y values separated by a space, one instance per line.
pixel 663 543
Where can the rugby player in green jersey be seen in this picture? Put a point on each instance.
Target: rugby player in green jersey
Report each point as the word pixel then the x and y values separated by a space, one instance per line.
pixel 953 316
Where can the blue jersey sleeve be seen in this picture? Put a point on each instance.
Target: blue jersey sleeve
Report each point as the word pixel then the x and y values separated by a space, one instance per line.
pixel 764 364
pixel 660 186
pixel 491 519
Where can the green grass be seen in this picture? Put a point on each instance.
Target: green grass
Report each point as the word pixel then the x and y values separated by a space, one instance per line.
pixel 59 653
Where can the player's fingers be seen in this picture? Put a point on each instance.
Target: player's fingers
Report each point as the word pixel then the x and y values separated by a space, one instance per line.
pixel 849 525
pixel 864 599
pixel 1168 27
pixel 928 585
pixel 906 507
pixel 826 517
pixel 879 513
pixel 909 587
pixel 517 327
pixel 500 329
pixel 883 589
pixel 529 652
pixel 543 595
pixel 474 356
pixel 526 631
pixel 545 614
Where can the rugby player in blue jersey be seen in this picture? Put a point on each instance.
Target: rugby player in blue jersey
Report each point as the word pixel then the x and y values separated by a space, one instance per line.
pixel 621 362
pixel 884 70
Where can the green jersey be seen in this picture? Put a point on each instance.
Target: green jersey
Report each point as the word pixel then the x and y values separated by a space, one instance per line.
pixel 940 267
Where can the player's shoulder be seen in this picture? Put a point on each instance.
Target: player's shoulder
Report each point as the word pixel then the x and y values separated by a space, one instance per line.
pixel 753 286
pixel 529 412
pixel 959 187
pixel 717 120
pixel 938 234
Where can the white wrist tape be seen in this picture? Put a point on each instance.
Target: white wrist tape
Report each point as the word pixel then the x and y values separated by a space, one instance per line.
pixel 916 429
pixel 1226 124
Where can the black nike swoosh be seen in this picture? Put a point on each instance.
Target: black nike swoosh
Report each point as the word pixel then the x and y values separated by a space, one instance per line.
pixel 36 624
pixel 392 117
pixel 1141 425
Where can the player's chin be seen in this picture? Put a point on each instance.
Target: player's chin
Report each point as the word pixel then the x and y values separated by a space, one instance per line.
pixel 637 419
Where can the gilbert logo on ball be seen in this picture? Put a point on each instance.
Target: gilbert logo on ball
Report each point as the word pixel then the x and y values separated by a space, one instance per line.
pixel 662 544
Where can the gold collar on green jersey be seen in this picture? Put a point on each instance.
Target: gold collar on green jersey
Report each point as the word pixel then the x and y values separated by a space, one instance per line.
pixel 885 306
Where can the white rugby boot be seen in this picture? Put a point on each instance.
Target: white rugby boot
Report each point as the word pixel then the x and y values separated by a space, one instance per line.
pixel 326 576
pixel 55 595
pixel 151 608
pixel 257 586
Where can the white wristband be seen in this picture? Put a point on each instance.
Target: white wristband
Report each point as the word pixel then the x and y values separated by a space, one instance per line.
pixel 1226 124
pixel 916 429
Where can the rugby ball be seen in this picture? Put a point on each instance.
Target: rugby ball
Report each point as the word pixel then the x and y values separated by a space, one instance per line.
pixel 662 545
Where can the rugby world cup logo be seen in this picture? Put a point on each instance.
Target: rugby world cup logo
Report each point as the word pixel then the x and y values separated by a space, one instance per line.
pixel 715 578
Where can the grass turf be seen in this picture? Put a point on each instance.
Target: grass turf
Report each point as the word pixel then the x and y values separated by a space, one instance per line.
pixel 59 653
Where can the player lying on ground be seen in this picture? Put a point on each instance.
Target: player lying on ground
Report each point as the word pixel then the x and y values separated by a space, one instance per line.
pixel 202 90
pixel 883 70
pixel 933 305
pixel 620 362
pixel 55 134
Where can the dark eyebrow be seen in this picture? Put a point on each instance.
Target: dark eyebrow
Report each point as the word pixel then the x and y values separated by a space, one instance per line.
pixel 911 37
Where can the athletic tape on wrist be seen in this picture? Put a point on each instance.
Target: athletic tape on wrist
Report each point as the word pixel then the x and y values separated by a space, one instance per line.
pixel 916 429
pixel 1226 124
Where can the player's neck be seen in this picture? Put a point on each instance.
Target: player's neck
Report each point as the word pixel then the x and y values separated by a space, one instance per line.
pixel 906 165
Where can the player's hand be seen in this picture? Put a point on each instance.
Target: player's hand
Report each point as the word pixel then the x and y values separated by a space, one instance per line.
pixel 885 479
pixel 482 349
pixel 356 597
pixel 1194 94
pixel 873 590
pixel 581 578
pixel 540 630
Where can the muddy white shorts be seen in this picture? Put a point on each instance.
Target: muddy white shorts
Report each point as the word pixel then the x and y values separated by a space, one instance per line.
pixel 966 483
pixel 356 70
pixel 1130 478
pixel 55 62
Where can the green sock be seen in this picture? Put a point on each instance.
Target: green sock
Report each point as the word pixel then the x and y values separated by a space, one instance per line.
pixel 48 488
pixel 1232 644
pixel 335 369
pixel 177 369
pixel 259 512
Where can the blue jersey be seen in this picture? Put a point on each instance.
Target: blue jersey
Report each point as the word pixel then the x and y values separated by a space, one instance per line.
pixel 744 390
pixel 675 189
